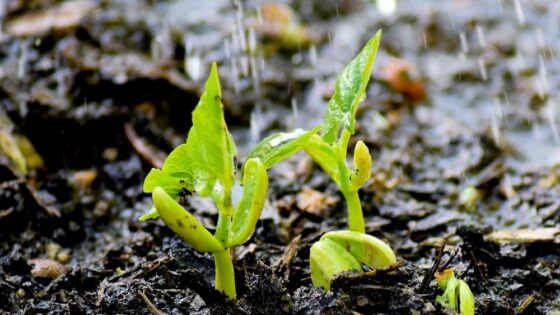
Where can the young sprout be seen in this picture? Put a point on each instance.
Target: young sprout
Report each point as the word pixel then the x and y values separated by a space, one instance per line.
pixel 329 148
pixel 457 295
pixel 341 251
pixel 205 165
pixel 469 198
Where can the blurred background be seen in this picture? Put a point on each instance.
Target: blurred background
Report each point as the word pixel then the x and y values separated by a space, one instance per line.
pixel 461 115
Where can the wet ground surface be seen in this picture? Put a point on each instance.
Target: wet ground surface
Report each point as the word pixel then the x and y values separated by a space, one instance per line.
pixel 94 93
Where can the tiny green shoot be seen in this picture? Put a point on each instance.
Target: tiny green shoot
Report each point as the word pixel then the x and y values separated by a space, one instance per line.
pixel 329 148
pixel 205 165
pixel 457 295
pixel 341 251
pixel 469 198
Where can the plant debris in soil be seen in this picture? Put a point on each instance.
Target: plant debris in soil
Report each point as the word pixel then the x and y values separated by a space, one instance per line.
pixel 461 119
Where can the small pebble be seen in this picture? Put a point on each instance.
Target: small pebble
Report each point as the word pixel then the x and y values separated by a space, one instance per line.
pixel 20 293
pixel 63 256
pixel 47 268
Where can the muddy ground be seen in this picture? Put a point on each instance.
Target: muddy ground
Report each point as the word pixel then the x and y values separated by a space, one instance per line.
pixel 95 93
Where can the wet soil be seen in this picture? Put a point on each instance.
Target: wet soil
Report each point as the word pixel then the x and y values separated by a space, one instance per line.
pixel 103 89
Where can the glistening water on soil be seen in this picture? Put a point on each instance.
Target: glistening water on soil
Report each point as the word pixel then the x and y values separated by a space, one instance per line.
pixel 461 117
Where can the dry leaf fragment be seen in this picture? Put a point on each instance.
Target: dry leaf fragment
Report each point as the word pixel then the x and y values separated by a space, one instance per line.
pixel 61 17
pixel 522 236
pixel 47 268
pixel 313 201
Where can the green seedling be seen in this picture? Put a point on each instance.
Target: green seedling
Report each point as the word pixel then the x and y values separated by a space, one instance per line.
pixel 205 165
pixel 342 251
pixel 469 198
pixel 457 295
pixel 327 144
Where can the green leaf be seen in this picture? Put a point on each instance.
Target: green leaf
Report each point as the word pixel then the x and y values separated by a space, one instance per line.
pixel 174 177
pixel 152 214
pixel 365 248
pixel 324 155
pixel 279 146
pixel 210 145
pixel 248 211
pixel 466 299
pixel 172 185
pixel 349 90
pixel 449 297
pixel 177 165
pixel 183 223
pixel 328 259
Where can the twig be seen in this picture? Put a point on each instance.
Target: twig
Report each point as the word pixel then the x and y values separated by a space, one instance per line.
pixel 151 306
pixel 374 273
pixel 430 273
pixel 450 260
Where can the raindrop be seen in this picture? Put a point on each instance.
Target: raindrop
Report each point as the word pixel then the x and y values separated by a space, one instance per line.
pixel 543 73
pixel 255 127
pixel 22 60
pixel 480 35
pixel 239 24
pixel 464 44
pixel 295 108
pixel 482 68
pixel 235 76
pixel 495 129
pixel 519 12
pixel 227 48
pixel 313 55
pixel 193 65
pixel 550 115
pixel 259 15
pixel 244 64
pixel 425 40
pixel 387 7
pixel 3 11
pixel 252 41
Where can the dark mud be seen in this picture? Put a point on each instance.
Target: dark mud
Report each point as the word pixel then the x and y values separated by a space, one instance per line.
pixel 100 93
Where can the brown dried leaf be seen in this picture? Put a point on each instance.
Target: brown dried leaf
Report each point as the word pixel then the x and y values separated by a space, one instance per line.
pixel 522 236
pixel 313 201
pixel 402 77
pixel 61 17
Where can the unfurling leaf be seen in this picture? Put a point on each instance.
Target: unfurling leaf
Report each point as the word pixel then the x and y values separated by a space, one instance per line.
pixel 174 177
pixel 183 223
pixel 324 155
pixel 279 146
pixel 457 295
pixel 362 165
pixel 328 259
pixel 248 211
pixel 152 214
pixel 210 145
pixel 349 90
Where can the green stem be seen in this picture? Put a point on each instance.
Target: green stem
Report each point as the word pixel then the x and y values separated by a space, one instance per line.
pixel 355 214
pixel 225 211
pixel 222 229
pixel 343 144
pixel 225 278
